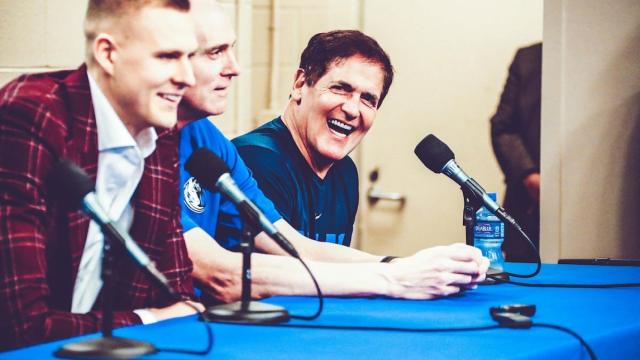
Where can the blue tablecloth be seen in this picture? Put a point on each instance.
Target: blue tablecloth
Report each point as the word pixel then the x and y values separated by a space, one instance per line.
pixel 608 319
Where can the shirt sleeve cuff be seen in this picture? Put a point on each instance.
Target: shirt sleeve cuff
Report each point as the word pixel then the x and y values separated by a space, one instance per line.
pixel 145 316
pixel 187 222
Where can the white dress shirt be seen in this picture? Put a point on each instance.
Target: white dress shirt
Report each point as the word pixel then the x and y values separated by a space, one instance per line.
pixel 120 167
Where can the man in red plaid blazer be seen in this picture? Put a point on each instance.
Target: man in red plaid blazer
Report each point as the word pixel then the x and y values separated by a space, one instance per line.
pixel 137 54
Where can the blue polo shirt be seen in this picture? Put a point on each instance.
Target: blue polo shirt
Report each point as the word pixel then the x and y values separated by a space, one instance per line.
pixel 211 211
pixel 320 209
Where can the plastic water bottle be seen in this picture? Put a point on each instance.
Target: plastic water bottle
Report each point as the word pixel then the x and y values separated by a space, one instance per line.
pixel 488 236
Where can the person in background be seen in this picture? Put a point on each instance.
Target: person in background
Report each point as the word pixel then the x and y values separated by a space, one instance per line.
pixel 211 221
pixel 515 136
pixel 103 117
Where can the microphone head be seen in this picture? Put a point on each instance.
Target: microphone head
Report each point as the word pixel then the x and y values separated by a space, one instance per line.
pixel 206 167
pixel 68 183
pixel 433 153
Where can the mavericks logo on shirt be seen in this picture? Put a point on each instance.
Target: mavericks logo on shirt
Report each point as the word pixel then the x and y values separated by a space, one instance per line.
pixel 193 196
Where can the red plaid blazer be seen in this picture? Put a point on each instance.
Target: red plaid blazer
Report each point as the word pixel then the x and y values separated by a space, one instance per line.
pixel 44 117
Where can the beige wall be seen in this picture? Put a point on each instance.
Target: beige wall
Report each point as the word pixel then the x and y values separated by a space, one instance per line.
pixel 42 35
pixel 466 48
pixel 39 35
pixel 591 89
pixel 296 22
pixel 451 59
pixel 591 129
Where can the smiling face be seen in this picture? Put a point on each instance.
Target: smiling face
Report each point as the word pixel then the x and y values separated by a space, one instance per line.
pixel 329 119
pixel 214 64
pixel 149 67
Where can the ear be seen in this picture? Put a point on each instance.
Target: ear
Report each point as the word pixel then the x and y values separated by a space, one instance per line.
pixel 299 80
pixel 105 52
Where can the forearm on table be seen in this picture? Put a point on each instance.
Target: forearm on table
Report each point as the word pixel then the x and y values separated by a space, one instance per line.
pixel 279 275
pixel 219 271
pixel 329 252
pixel 311 249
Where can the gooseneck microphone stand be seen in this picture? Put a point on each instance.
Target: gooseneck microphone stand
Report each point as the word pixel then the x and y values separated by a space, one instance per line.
pixel 107 346
pixel 471 206
pixel 246 311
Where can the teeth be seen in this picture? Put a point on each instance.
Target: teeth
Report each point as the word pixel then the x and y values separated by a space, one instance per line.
pixel 170 97
pixel 340 124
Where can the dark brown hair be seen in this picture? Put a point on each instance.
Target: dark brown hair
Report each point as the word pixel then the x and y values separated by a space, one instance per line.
pixel 325 49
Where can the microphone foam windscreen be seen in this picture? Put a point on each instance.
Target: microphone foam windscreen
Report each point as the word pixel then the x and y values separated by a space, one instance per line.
pixel 68 183
pixel 206 167
pixel 433 153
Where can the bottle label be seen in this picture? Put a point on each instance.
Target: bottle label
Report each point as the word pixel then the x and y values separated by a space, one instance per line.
pixel 488 229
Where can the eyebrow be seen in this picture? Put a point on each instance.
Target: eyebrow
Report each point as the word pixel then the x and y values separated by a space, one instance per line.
pixel 220 47
pixel 345 85
pixel 372 97
pixel 171 53
pixel 349 87
pixel 216 48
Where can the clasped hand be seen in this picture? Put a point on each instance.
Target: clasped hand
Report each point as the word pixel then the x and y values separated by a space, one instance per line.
pixel 437 271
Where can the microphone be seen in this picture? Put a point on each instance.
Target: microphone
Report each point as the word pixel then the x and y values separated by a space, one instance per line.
pixel 439 158
pixel 74 187
pixel 212 173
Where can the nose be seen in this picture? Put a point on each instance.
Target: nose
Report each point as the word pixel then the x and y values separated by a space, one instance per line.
pixel 183 74
pixel 231 67
pixel 350 106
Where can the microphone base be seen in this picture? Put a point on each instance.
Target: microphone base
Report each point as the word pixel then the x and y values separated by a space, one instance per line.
pixel 256 313
pixel 105 348
pixel 497 277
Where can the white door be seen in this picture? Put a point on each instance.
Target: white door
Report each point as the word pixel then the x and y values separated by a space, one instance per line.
pixel 451 60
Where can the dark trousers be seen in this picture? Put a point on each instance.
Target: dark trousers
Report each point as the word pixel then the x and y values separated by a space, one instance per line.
pixel 527 214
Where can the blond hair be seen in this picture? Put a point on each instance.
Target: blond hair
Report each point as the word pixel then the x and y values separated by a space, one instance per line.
pixel 102 14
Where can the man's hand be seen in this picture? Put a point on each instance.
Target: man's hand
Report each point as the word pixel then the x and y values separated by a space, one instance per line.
pixel 437 271
pixel 532 184
pixel 178 309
